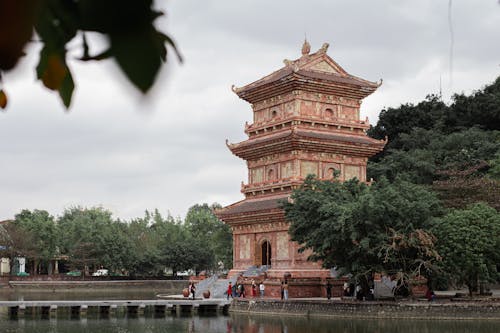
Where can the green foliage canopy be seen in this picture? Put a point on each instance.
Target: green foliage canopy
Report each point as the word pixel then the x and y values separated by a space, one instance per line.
pixel 455 149
pixel 35 234
pixel 362 230
pixel 212 234
pixel 145 246
pixel 469 242
pixel 90 236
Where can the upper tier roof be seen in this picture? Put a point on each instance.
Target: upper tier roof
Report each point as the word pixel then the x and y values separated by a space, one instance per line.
pixel 315 72
pixel 297 138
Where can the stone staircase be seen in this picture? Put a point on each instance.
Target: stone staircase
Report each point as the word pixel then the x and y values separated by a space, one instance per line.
pixel 254 271
pixel 217 287
pixel 204 285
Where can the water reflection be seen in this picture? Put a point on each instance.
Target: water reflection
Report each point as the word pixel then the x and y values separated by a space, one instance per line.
pixel 252 324
pixel 244 324
pixel 65 295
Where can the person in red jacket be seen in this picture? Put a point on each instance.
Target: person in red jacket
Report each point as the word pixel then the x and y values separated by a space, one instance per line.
pixel 229 290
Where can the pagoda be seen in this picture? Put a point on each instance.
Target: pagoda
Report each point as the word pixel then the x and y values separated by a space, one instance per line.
pixel 305 121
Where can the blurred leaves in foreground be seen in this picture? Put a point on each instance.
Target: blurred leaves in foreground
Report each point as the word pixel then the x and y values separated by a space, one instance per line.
pixel 128 25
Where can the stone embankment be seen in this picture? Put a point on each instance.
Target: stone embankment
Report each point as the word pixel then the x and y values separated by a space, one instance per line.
pixel 165 286
pixel 451 310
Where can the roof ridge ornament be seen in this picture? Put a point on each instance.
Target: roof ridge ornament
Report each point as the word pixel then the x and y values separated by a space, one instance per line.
pixel 324 48
pixel 306 48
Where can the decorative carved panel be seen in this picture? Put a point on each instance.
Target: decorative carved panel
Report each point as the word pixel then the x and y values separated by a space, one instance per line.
pixel 282 245
pixel 286 170
pixel 352 171
pixel 308 167
pixel 323 66
pixel 257 175
pixel 244 247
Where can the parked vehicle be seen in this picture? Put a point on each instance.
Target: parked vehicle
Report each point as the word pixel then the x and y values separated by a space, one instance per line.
pixel 74 273
pixel 101 272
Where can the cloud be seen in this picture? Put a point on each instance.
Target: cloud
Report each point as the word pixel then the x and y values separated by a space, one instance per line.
pixel 128 153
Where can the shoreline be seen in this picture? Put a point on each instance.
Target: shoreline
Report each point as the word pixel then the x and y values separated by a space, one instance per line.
pixel 443 308
pixel 321 308
pixel 93 285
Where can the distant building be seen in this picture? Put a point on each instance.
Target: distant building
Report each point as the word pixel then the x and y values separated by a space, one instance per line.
pixel 305 121
pixel 4 261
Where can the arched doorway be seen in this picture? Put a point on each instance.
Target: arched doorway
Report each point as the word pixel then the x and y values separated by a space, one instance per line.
pixel 266 253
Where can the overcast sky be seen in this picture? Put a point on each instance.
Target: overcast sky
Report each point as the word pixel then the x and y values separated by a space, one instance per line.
pixel 126 153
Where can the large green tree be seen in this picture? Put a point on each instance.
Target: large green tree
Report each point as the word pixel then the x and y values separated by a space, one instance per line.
pixel 145 256
pixel 211 233
pixel 364 229
pixel 393 122
pixel 453 148
pixel 33 235
pixel 91 237
pixel 469 242
pixel 428 155
pixel 165 242
pixel 481 109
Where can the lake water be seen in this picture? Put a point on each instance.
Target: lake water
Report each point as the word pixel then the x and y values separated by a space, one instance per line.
pixel 236 323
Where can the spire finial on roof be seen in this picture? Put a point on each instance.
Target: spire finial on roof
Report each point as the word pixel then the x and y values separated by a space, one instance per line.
pixel 306 47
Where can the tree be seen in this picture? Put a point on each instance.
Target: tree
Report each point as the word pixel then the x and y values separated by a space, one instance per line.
pixel 469 242
pixel 459 191
pixel 33 234
pixel 161 243
pixel 428 155
pixel 93 228
pixel 211 233
pixel 494 171
pixel 145 254
pixel 128 25
pixel 362 230
pixel 393 122
pixel 481 109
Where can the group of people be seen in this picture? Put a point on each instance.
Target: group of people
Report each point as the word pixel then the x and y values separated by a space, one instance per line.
pixel 238 290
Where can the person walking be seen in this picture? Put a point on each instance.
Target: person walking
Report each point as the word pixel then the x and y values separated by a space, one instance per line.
pixel 262 288
pixel 328 290
pixel 254 288
pixel 282 292
pixel 229 290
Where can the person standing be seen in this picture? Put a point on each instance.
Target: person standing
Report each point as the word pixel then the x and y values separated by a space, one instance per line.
pixel 241 290
pixel 285 290
pixel 254 288
pixel 229 290
pixel 262 288
pixel 193 289
pixel 328 290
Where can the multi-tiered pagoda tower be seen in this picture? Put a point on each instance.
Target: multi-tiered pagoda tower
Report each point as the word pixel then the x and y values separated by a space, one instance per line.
pixel 305 121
